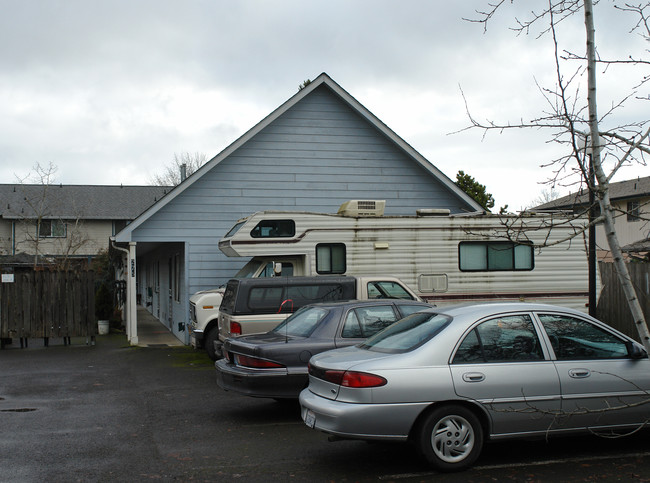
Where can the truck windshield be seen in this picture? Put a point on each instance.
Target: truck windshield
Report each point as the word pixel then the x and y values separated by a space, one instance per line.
pixel 249 269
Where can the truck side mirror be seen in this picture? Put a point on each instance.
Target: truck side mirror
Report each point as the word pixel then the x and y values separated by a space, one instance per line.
pixel 277 269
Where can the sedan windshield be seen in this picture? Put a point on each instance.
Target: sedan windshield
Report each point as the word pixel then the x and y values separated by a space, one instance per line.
pixel 302 323
pixel 408 333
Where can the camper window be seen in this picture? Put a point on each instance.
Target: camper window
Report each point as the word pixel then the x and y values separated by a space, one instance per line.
pixel 330 258
pixel 234 229
pixel 494 256
pixel 274 229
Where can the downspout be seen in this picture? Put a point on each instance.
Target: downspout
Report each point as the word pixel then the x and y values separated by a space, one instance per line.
pixel 131 307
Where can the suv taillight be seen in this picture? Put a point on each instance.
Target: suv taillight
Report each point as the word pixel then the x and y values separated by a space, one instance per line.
pixel 235 328
pixel 354 379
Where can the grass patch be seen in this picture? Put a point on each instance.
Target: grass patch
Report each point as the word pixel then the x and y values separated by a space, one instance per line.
pixel 189 357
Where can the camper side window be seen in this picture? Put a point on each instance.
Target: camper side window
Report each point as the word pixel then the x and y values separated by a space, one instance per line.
pixel 494 256
pixel 274 229
pixel 330 258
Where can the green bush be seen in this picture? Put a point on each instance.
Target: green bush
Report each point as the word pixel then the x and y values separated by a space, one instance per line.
pixel 103 303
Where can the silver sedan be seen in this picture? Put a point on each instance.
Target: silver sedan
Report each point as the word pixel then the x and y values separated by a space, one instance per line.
pixel 449 379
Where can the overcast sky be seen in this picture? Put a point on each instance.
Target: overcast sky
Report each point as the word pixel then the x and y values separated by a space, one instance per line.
pixel 109 90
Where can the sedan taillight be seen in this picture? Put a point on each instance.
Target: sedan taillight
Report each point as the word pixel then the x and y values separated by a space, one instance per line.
pixel 254 362
pixel 354 379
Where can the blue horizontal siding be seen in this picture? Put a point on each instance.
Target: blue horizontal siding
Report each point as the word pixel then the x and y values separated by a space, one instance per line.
pixel 313 157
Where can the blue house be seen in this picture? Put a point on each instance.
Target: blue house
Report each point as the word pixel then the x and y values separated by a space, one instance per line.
pixel 314 152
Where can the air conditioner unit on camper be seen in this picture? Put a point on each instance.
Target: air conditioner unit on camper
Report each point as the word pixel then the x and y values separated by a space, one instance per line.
pixel 362 208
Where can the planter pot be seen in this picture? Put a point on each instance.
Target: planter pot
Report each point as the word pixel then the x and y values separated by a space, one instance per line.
pixel 103 327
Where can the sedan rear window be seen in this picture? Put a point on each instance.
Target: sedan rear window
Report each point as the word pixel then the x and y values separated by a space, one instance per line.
pixel 408 333
pixel 302 323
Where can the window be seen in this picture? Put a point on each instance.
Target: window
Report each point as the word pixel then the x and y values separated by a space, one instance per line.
pixel 234 229
pixel 405 309
pixel 309 294
pixel 574 339
pixel 330 258
pixel 265 298
pixel 363 322
pixel 504 339
pixel 269 271
pixel 387 290
pixel 494 256
pixel 274 229
pixel 302 323
pixel 407 334
pixel 633 211
pixel 51 229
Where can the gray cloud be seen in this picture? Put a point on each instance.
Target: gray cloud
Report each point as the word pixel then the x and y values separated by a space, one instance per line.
pixel 109 91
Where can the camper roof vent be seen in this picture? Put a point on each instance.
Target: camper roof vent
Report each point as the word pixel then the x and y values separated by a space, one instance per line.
pixel 433 212
pixel 362 208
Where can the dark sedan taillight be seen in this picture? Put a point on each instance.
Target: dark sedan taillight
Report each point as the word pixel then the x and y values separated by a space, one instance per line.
pixel 255 363
pixel 354 379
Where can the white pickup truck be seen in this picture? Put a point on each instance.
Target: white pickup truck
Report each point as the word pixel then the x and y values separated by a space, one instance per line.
pixel 256 305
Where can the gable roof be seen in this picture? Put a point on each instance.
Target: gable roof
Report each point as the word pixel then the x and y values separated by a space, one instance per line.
pixel 88 202
pixel 322 80
pixel 629 189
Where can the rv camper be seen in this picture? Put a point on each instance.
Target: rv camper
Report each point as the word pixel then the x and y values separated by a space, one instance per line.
pixel 444 258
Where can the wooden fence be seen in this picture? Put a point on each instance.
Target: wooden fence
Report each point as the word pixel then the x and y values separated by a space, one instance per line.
pixel 612 305
pixel 47 304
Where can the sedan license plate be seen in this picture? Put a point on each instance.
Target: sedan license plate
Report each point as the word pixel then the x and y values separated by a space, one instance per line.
pixel 310 418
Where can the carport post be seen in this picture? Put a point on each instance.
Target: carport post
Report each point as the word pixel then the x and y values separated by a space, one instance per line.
pixel 132 310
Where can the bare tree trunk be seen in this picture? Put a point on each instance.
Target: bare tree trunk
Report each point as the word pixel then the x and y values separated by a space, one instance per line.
pixel 602 190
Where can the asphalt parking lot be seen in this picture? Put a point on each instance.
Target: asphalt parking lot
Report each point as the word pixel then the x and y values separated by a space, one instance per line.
pixel 111 412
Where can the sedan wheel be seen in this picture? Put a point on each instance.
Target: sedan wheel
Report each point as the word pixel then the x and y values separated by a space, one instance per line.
pixel 451 438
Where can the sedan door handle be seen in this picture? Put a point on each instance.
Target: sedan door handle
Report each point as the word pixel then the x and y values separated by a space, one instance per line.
pixel 579 373
pixel 473 377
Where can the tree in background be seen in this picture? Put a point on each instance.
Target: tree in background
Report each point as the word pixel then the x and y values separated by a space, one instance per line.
pixel 42 231
pixel 171 176
pixel 545 196
pixel 598 145
pixel 475 189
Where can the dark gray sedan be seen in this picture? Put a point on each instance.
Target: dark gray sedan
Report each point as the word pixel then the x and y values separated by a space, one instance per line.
pixel 274 364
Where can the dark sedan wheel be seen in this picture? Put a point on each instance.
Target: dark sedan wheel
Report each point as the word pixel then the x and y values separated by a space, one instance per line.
pixel 451 438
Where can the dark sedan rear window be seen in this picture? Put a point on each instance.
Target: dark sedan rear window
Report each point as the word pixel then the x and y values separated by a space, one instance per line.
pixel 407 334
pixel 302 323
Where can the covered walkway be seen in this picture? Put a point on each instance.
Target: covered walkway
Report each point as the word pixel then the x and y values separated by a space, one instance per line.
pixel 152 332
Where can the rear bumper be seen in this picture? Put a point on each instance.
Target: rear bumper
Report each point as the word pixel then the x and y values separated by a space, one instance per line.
pixel 389 422
pixel 279 384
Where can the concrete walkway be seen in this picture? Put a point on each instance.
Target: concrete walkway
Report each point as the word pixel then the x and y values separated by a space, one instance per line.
pixel 153 333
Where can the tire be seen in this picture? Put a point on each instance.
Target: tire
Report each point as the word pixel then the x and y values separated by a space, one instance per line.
pixel 208 342
pixel 451 438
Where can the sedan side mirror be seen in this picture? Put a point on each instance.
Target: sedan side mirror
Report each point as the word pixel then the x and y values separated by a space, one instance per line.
pixel 634 351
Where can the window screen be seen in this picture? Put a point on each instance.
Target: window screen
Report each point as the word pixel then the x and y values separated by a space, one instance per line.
pixel 330 258
pixel 494 256
pixel 51 229
pixel 274 229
